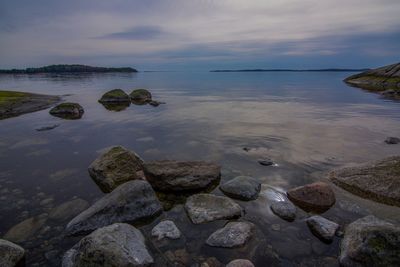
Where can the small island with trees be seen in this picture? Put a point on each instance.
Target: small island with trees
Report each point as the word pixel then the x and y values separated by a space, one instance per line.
pixel 63 68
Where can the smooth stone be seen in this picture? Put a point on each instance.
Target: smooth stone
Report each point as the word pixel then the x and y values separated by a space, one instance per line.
pixel 266 162
pixel 233 234
pixel 378 180
pixel 141 95
pixel 203 208
pixel 242 187
pixel 284 209
pixel 67 110
pixel 166 229
pixel 317 197
pixel 392 140
pixel 133 202
pixel 322 228
pixel 115 95
pixel 115 167
pixel 11 255
pixel 240 263
pixel 118 244
pixel 26 229
pixel 68 209
pixel 370 241
pixel 175 176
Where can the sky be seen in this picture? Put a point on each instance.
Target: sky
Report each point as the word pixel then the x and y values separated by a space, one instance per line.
pixel 200 34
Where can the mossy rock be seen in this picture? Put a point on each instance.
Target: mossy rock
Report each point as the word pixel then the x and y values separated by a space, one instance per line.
pixel 141 95
pixel 114 96
pixel 71 111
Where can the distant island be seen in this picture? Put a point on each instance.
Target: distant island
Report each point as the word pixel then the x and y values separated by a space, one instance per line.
pixel 75 68
pixel 291 70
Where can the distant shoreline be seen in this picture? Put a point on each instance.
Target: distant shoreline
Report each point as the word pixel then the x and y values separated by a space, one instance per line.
pixel 67 69
pixel 290 70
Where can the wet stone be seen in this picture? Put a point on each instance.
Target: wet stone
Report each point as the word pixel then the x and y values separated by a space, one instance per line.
pixel 317 197
pixel 240 263
pixel 242 187
pixel 322 228
pixel 11 254
pixel 166 229
pixel 392 140
pixel 284 209
pixel 68 209
pixel 234 234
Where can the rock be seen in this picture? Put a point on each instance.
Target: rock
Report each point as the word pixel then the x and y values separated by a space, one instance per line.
pixel 115 167
pixel 26 229
pixel 47 128
pixel 233 234
pixel 115 96
pixel 316 197
pixel 178 257
pixel 242 187
pixel 71 111
pixel 155 103
pixel 140 95
pixel 392 140
pixel 370 241
pixel 322 228
pixel 68 209
pixel 203 208
pixel 166 229
pixel 240 263
pixel 175 176
pixel 378 181
pixel 284 209
pixel 118 244
pixel 133 202
pixel 266 162
pixel 11 254
pixel 13 103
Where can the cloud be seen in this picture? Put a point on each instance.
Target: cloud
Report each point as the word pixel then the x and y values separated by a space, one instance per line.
pixel 136 33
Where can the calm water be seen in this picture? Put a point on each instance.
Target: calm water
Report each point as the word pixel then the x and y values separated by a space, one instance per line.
pixel 308 123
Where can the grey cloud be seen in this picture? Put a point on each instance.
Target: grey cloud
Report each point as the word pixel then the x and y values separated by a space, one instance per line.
pixel 136 33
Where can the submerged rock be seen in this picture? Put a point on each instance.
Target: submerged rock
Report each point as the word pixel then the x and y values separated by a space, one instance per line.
pixel 370 241
pixel 316 197
pixel 378 181
pixel 133 202
pixel 115 96
pixel 266 162
pixel 155 103
pixel 118 244
pixel 70 111
pixel 140 95
pixel 284 209
pixel 26 229
pixel 68 209
pixel 166 229
pixel 240 263
pixel 169 175
pixel 11 255
pixel 242 187
pixel 322 228
pixel 115 167
pixel 233 234
pixel 203 208
pixel 47 128
pixel 392 140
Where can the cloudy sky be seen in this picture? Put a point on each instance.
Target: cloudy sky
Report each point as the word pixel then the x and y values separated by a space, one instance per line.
pixel 200 34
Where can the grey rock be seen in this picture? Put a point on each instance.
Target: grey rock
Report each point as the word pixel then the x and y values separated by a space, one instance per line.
pixel 10 254
pixel 114 96
pixel 26 229
pixel 118 244
pixel 71 111
pixel 240 263
pixel 242 187
pixel 378 181
pixel 370 241
pixel 166 229
pixel 233 234
pixel 141 95
pixel 134 201
pixel 68 209
pixel 169 175
pixel 266 162
pixel 392 140
pixel 322 228
pixel 115 167
pixel 284 209
pixel 203 208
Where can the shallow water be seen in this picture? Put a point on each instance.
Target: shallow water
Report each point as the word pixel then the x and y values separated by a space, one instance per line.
pixel 308 123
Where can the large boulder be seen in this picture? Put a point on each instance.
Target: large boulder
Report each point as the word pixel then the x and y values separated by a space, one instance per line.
pixel 174 176
pixel 134 201
pixel 11 254
pixel 377 180
pixel 322 228
pixel 203 208
pixel 115 96
pixel 119 244
pixel 370 241
pixel 70 111
pixel 316 197
pixel 242 187
pixel 115 167
pixel 233 234
pixel 140 95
